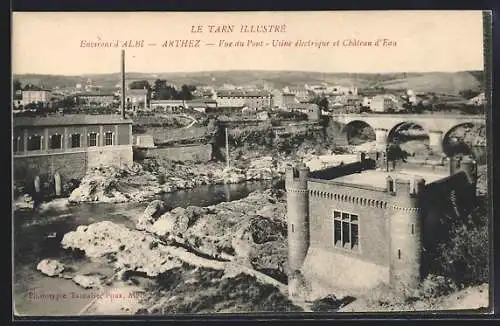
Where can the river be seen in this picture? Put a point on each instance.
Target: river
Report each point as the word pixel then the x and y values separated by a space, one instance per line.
pixel 31 245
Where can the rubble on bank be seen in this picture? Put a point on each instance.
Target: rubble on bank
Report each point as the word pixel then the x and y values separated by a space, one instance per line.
pixel 24 202
pixel 252 229
pixel 141 182
pixel 50 267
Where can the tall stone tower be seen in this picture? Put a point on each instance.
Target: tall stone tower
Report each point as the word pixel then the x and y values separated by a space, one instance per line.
pixel 406 233
pixel 297 215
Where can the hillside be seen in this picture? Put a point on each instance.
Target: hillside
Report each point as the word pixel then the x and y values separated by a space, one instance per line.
pixel 437 82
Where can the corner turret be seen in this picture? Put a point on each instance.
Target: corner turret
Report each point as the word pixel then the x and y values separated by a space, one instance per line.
pixel 405 233
pixel 297 196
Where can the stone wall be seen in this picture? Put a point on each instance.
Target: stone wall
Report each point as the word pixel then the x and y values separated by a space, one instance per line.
pixel 70 165
pixel 112 155
pixel 165 135
pixel 334 271
pixel 371 206
pixel 198 153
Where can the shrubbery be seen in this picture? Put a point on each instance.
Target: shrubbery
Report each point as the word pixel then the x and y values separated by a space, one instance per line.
pixel 464 254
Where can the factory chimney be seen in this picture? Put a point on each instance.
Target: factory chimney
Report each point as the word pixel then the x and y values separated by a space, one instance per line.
pixel 123 84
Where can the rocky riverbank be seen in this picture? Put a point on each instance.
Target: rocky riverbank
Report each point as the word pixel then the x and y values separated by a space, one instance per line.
pixel 243 242
pixel 142 181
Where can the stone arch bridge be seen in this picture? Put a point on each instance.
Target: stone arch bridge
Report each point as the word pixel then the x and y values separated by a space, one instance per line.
pixel 438 127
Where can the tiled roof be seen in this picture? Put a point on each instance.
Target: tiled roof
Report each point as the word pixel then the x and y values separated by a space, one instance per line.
pixel 68 120
pixel 242 93
pixel 303 106
pixel 94 94
pixel 132 92
pixel 31 87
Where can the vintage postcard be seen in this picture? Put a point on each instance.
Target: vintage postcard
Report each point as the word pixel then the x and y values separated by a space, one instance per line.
pixel 248 162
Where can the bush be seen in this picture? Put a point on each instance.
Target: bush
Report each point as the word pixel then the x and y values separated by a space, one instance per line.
pixel 465 257
pixel 161 179
pixel 434 286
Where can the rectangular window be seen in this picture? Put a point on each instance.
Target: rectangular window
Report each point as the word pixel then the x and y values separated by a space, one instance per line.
pixel 56 142
pixel 345 230
pixel 92 139
pixel 108 138
pixel 16 144
pixel 34 143
pixel 75 140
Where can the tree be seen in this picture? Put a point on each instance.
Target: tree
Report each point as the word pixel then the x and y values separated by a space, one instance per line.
pixel 16 85
pixel 67 102
pixel 161 91
pixel 140 84
pixel 321 102
pixel 185 93
pixel 469 93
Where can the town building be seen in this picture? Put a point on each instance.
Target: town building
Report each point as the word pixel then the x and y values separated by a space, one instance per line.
pixel 137 99
pixel 239 98
pixel 384 103
pixel 35 95
pixel 168 105
pixel 311 109
pixel 202 106
pixel 359 225
pixel 282 100
pixel 92 99
pixel 69 145
pixel 477 100
pixel 302 94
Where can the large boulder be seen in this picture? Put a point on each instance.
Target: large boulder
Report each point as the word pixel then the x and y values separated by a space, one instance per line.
pixel 127 249
pixel 151 214
pixel 87 281
pixel 174 222
pixel 24 202
pixel 50 267
pixel 155 209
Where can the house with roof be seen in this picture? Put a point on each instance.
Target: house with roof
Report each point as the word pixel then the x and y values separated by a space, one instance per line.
pixel 137 99
pixel 32 94
pixel 69 145
pixel 311 109
pixel 257 99
pixel 95 99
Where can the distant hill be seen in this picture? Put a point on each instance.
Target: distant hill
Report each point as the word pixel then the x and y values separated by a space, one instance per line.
pixel 436 82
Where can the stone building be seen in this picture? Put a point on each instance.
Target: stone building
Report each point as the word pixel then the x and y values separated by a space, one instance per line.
pixel 95 99
pixel 69 145
pixel 32 94
pixel 238 98
pixel 356 226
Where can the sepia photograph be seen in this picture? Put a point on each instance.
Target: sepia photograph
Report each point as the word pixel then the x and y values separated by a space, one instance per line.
pixel 169 163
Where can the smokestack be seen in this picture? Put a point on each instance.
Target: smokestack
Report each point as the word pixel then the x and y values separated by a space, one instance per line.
pixel 123 84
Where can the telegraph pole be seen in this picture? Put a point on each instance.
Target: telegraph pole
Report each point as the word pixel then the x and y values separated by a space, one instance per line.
pixel 387 157
pixel 123 84
pixel 227 149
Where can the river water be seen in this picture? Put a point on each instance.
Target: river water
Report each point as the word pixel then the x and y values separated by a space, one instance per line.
pixel 31 245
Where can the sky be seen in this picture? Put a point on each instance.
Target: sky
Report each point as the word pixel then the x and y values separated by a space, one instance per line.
pixel 416 41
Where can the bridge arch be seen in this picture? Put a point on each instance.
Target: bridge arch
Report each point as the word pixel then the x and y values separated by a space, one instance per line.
pixel 406 131
pixel 358 132
pixel 466 138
